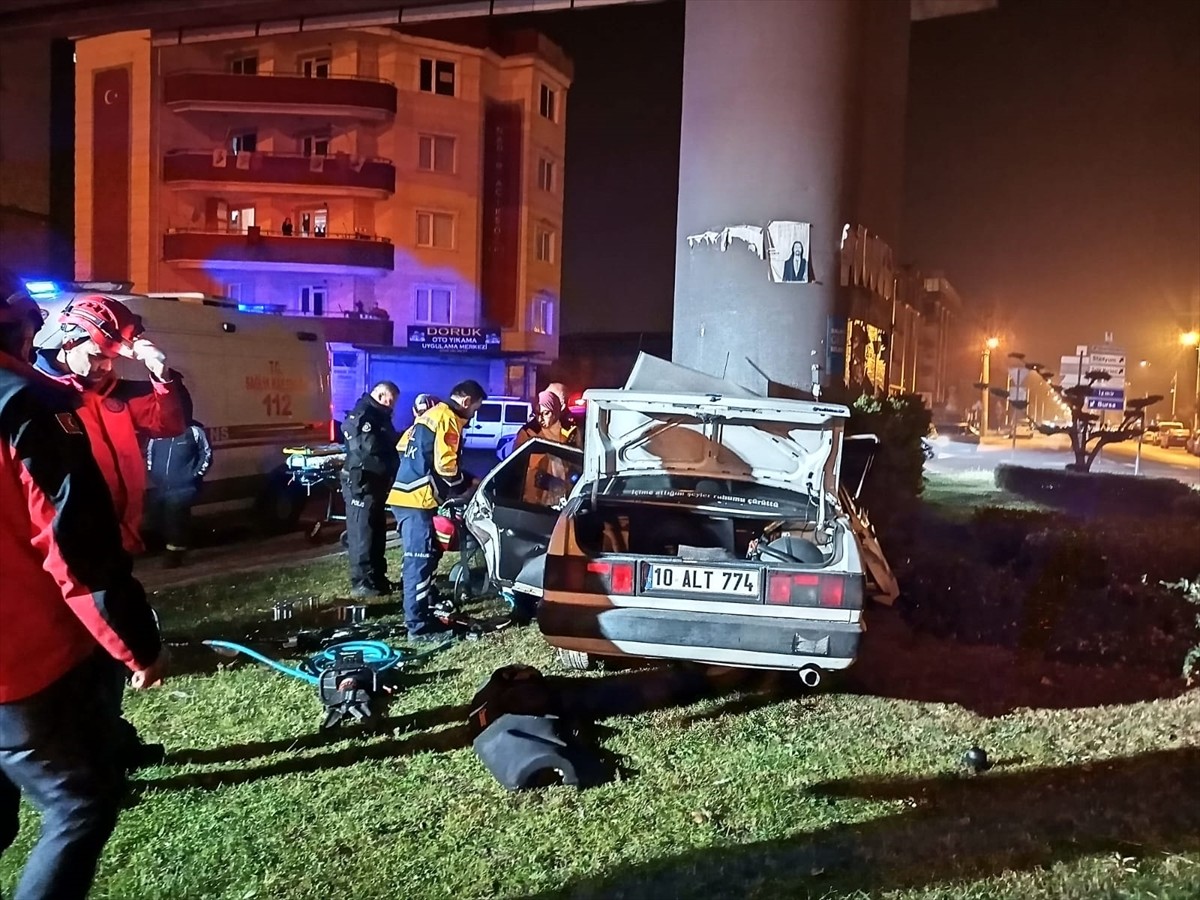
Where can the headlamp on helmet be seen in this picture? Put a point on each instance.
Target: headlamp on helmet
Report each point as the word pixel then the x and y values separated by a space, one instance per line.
pixel 110 324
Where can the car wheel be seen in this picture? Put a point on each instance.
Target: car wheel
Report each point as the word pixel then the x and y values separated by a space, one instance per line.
pixel 574 659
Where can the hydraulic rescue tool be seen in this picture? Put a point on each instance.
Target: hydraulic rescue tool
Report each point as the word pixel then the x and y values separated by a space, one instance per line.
pixel 354 679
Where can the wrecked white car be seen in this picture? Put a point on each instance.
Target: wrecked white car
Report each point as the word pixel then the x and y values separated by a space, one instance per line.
pixel 695 527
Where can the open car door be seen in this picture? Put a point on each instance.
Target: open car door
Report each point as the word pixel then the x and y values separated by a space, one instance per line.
pixel 858 452
pixel 515 508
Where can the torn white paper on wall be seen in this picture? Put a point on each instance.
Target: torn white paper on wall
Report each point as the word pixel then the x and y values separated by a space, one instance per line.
pixel 789 251
pixel 750 235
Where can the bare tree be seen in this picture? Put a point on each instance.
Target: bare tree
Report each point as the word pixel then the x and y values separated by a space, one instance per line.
pixel 1088 431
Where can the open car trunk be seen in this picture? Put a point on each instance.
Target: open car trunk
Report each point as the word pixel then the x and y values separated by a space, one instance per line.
pixel 698 519
pixel 791 445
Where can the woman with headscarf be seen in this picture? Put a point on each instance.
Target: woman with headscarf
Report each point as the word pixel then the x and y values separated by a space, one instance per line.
pixel 546 423
pixel 546 477
pixel 563 428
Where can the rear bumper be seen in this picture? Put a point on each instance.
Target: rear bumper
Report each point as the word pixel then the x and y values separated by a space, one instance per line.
pixel 715 638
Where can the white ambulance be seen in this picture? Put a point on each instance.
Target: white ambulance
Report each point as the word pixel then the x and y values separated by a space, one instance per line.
pixel 258 383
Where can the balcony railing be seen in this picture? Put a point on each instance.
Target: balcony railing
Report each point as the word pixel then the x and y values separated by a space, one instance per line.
pixel 354 175
pixel 256 248
pixel 278 92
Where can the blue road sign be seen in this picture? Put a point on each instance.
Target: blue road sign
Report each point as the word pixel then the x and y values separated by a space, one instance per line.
pixel 1103 393
pixel 1102 403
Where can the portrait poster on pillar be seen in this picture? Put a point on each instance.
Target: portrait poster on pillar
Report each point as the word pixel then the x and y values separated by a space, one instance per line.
pixel 789 252
pixel 501 238
pixel 111 140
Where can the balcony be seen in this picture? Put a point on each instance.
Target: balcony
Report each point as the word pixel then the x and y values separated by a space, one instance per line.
pixel 280 94
pixel 269 250
pixel 348 329
pixel 280 173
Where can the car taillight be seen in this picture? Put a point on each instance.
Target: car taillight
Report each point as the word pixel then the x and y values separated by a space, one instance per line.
pixel 618 577
pixel 807 589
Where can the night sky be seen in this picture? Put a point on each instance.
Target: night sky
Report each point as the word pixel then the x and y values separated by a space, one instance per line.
pixel 1054 172
pixel 1053 168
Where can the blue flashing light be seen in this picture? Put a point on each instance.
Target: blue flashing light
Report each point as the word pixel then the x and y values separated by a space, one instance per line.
pixel 41 290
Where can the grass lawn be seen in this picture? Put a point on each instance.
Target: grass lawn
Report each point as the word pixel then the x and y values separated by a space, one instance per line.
pixel 736 787
pixel 956 495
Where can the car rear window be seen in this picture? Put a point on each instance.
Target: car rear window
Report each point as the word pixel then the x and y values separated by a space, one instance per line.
pixel 489 412
pixel 516 414
pixel 741 498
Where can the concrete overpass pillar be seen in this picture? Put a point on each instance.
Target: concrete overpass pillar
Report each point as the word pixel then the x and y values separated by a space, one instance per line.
pixel 793 111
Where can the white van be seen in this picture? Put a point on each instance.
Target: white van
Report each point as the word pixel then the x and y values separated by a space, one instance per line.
pixel 499 418
pixel 258 383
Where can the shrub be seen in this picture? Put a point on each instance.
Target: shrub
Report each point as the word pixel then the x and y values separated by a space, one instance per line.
pixel 899 422
pixel 1191 593
pixel 1091 493
pixel 1084 592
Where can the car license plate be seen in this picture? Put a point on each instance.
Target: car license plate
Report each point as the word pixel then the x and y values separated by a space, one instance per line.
pixel 743 583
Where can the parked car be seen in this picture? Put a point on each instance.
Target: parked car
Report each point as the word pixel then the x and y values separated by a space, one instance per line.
pixel 1193 444
pixel 1173 434
pixel 692 526
pixel 497 419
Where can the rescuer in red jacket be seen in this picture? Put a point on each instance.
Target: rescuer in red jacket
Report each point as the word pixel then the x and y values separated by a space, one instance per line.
pixel 120 415
pixel 68 607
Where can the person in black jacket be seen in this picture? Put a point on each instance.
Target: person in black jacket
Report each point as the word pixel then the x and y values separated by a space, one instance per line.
pixel 176 466
pixel 70 609
pixel 371 463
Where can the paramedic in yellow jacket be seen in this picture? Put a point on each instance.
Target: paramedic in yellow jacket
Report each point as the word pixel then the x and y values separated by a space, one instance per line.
pixel 429 474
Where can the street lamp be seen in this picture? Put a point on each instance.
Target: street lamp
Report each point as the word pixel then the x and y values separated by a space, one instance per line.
pixel 1192 339
pixel 988 346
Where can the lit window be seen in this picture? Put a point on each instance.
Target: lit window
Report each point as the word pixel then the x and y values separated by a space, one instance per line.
pixel 315 66
pixel 435 153
pixel 312 300
pixel 241 219
pixel 541 318
pixel 315 145
pixel 435 304
pixel 314 222
pixel 544 238
pixel 437 77
pixel 244 65
pixel 435 229
pixel 546 174
pixel 548 104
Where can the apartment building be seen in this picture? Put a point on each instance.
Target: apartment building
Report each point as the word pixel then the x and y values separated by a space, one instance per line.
pixel 361 174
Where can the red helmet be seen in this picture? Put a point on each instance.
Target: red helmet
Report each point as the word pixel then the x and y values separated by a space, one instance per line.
pixel 15 302
pixel 108 322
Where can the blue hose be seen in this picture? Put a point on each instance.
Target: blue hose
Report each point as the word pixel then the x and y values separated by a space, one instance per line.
pixel 376 655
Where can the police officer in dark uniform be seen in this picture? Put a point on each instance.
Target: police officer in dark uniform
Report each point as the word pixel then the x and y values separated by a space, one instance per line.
pixel 371 463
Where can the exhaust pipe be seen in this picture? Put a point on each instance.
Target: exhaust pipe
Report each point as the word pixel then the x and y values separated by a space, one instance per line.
pixel 810 677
